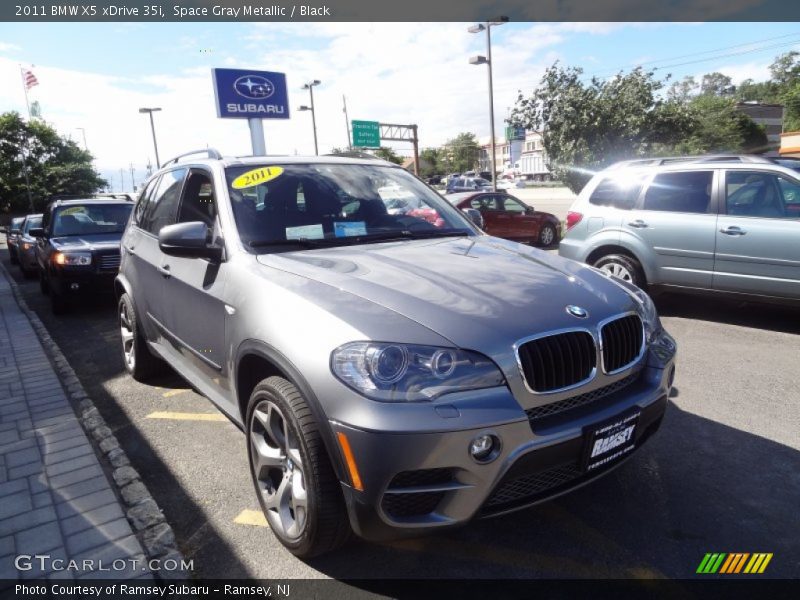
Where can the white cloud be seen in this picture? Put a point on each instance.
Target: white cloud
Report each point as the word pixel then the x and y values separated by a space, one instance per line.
pixel 8 47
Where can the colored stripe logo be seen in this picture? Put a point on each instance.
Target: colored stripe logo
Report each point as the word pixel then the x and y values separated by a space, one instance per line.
pixel 734 563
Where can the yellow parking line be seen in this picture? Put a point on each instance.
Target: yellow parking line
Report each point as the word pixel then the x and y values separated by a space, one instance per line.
pixel 184 416
pixel 171 393
pixel 251 517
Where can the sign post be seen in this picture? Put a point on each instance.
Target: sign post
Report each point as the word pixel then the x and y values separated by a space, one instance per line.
pixel 251 95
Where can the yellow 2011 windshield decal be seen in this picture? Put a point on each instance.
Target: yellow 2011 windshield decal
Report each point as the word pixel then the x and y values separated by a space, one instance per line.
pixel 256 176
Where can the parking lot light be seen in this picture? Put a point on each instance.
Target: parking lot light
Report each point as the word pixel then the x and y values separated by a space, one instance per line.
pixel 310 87
pixel 487 60
pixel 150 111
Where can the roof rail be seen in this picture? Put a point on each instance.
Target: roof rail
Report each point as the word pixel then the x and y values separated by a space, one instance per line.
pixel 354 154
pixel 209 152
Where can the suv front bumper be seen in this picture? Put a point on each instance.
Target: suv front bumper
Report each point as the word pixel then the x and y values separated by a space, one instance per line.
pixel 414 483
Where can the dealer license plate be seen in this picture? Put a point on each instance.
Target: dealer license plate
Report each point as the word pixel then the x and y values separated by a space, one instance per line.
pixel 610 441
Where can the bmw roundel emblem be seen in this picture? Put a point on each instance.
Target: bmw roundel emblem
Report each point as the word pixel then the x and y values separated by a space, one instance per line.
pixel 577 311
pixel 254 87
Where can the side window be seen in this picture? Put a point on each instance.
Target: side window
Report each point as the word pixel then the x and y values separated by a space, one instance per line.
pixel 618 192
pixel 484 203
pixel 46 221
pixel 686 192
pixel 790 190
pixel 163 204
pixel 510 205
pixel 144 199
pixel 198 200
pixel 757 194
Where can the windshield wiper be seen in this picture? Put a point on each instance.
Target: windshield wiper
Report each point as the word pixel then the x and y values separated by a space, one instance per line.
pixel 302 242
pixel 406 234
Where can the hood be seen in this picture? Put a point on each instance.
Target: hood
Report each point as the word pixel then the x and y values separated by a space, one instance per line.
pixel 469 290
pixel 98 241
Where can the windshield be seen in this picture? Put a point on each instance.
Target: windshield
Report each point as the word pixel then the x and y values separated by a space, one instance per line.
pixel 32 223
pixel 16 223
pixel 336 204
pixel 91 219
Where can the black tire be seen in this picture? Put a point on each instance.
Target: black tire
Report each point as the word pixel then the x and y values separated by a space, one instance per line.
pixel 43 287
pixel 27 273
pixel 139 362
pixel 12 257
pixel 58 303
pixel 547 236
pixel 325 522
pixel 623 266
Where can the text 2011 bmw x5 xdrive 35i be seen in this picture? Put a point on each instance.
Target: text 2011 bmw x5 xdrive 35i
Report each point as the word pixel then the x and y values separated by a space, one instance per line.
pixel 391 375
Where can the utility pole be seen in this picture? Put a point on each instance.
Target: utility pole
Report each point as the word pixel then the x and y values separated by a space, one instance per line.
pixel 122 180
pixel 133 182
pixel 346 122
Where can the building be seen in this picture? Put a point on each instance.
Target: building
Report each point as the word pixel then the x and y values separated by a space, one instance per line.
pixel 770 116
pixel 523 156
pixel 790 144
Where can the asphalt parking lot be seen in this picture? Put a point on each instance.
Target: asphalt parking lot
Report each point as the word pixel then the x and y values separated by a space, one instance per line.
pixel 722 475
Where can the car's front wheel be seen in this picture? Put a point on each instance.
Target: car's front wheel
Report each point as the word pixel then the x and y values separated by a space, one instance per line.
pixel 295 482
pixel 43 287
pixel 624 267
pixel 139 361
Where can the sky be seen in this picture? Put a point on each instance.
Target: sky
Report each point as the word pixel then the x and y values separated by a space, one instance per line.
pixel 96 76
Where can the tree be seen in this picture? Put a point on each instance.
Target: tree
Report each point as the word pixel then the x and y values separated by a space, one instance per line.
pixel 587 126
pixel 683 90
pixel 387 153
pixel 461 153
pixel 55 164
pixel 720 127
pixel 717 84
pixel 785 70
pixel 431 161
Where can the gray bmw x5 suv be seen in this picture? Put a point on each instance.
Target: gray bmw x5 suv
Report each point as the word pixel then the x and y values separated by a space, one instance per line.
pixel 393 374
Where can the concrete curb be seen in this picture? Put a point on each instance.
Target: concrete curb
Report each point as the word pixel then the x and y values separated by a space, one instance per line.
pixel 141 510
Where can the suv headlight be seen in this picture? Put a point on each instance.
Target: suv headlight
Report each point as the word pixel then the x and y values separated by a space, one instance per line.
pixel 72 258
pixel 406 373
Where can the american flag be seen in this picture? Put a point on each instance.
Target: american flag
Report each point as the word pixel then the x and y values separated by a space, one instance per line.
pixel 30 79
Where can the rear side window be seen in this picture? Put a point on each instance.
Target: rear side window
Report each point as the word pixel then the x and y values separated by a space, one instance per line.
pixel 144 199
pixel 686 192
pixel 163 205
pixel 619 191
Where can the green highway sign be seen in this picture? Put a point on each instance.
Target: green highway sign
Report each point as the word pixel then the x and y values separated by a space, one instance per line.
pixel 366 134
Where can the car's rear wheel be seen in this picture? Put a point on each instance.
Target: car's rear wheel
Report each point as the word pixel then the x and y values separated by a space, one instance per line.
pixel 138 360
pixel 547 235
pixel 624 267
pixel 295 482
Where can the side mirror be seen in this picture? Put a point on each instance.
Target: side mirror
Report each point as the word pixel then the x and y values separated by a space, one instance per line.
pixel 475 216
pixel 529 210
pixel 36 232
pixel 190 240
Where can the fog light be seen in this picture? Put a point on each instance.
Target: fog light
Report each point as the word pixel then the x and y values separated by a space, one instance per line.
pixel 74 286
pixel 671 377
pixel 484 448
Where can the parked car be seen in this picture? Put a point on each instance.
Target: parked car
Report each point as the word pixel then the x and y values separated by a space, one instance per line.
pixel 725 226
pixel 468 184
pixel 77 247
pixel 507 217
pixel 12 235
pixel 26 245
pixel 390 376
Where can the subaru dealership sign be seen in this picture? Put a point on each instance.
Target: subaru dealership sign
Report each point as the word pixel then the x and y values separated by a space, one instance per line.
pixel 244 94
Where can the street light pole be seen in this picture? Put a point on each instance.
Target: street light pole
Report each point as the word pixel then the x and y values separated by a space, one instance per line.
pixel 153 129
pixel 487 60
pixel 310 87
pixel 83 131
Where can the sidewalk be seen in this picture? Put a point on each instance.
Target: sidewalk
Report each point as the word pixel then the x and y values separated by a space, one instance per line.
pixel 55 498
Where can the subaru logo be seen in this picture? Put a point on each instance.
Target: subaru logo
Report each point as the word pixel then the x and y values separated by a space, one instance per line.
pixel 577 311
pixel 254 87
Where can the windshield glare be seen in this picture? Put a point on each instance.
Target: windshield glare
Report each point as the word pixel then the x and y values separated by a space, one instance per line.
pixel 91 219
pixel 335 204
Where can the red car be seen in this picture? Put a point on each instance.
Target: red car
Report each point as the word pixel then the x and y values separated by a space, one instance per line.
pixel 506 217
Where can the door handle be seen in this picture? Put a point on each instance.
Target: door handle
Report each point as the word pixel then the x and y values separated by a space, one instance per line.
pixel 130 250
pixel 638 224
pixel 733 230
pixel 164 270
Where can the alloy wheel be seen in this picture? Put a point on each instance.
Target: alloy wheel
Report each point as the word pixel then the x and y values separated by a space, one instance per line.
pixel 278 470
pixel 617 270
pixel 128 337
pixel 547 236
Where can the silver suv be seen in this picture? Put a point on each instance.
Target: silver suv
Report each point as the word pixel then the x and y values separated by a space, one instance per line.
pixel 722 225
pixel 393 373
